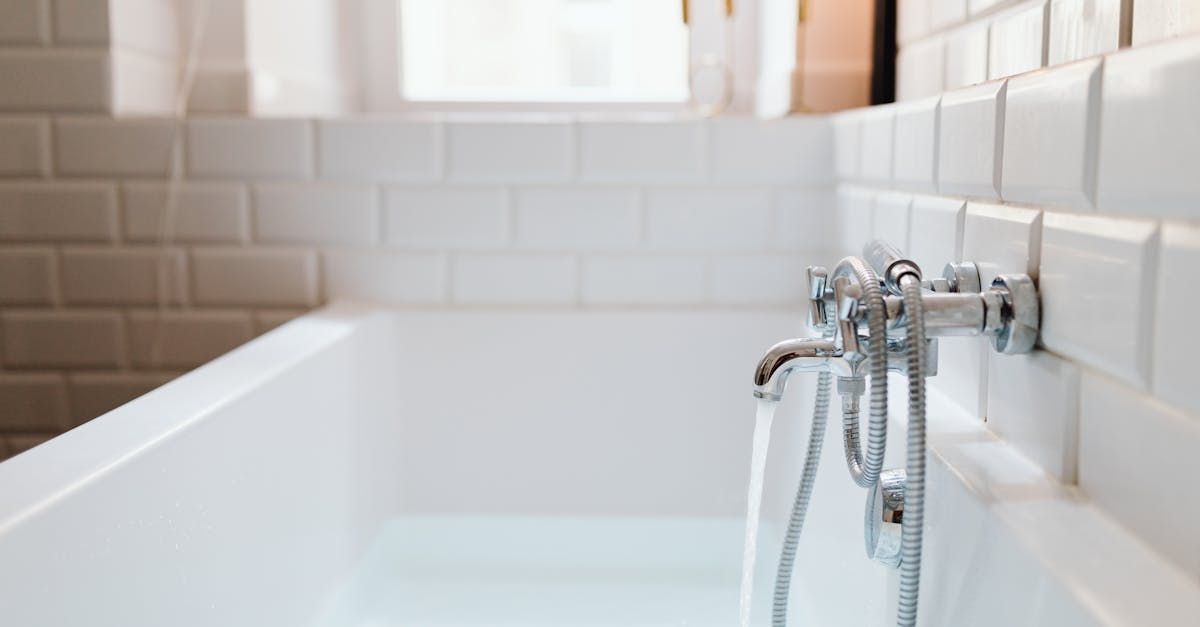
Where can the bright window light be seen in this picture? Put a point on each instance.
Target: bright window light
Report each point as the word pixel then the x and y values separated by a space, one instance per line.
pixel 543 50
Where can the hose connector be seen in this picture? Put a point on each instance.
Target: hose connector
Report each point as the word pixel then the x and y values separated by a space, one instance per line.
pixel 889 264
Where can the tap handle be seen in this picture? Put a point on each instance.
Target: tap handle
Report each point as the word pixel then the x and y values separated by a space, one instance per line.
pixel 889 264
pixel 818 282
pixel 846 295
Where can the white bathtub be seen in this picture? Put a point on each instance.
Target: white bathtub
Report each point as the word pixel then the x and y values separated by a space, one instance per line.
pixel 364 467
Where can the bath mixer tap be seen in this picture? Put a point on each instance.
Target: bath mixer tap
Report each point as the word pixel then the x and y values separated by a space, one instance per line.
pixel 874 314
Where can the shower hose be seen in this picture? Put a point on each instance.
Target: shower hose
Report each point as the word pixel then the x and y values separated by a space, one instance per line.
pixel 860 471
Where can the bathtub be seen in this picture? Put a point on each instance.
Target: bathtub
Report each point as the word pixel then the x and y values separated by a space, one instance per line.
pixel 360 466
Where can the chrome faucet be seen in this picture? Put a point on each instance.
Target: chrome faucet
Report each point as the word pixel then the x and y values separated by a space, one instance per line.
pixel 875 314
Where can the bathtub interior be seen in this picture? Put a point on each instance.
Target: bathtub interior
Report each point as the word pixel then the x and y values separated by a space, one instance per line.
pixel 361 466
pixel 598 457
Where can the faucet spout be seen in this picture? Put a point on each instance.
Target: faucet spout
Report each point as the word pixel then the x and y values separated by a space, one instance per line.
pixel 788 356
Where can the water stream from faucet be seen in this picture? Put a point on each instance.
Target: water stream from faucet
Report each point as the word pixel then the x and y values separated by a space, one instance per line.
pixel 758 467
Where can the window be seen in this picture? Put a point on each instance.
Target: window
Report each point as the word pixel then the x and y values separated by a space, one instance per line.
pixel 543 50
pixel 534 54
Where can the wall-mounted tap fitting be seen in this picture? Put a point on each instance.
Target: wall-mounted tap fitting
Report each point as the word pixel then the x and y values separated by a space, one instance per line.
pixel 871 315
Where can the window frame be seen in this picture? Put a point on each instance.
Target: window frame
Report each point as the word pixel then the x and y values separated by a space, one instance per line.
pixel 382 68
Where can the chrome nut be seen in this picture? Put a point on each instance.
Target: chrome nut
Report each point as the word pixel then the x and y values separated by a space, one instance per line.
pixel 994 317
pixel 962 277
pixel 1021 311
pixel 883 518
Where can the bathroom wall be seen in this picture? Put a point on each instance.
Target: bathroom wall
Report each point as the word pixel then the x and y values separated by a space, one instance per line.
pixel 110 56
pixel 277 216
pixel 1054 152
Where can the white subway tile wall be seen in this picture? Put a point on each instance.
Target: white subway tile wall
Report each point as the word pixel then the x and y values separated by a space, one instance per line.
pixel 967 55
pixel 276 216
pixel 1080 253
pixel 971 140
pixel 1149 98
pixel 878 131
pixel 1050 117
pixel 1017 42
pixel 24 147
pixel 914 164
pixel 1082 175
pixel 1084 28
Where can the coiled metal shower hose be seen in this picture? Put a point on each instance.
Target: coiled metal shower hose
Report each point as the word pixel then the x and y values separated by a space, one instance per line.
pixel 812 457
pixel 866 472
pixel 914 480
pixel 914 501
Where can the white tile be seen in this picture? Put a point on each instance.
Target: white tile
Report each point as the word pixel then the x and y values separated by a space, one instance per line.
pixel 876 151
pixel 642 152
pixel 379 150
pixel 509 151
pixel 32 402
pixel 803 219
pixel 577 218
pixel 26 276
pixel 24 146
pixel 110 147
pixel 708 219
pixel 81 22
pixel 46 339
pixel 945 13
pixel 1138 463
pixel 234 276
pixel 149 27
pixel 967 54
pixel 1051 119
pixel 975 7
pixel 1108 329
pixel 221 91
pixel 54 80
pixel 384 277
pixel 202 212
pixel 108 276
pixel 914 149
pixel 248 148
pixel 847 144
pixel 890 221
pixel 644 279
pixel 96 393
pixel 1002 240
pixel 1017 42
pixel 758 279
pixel 184 339
pixel 963 373
pixel 1149 136
pixel 935 233
pixel 315 213
pixel 1033 403
pixel 919 69
pixel 58 211
pixel 1175 309
pixel 791 150
pixel 912 20
pixel 446 217
pixel 1083 28
pixel 24 22
pixel 970 138
pixel 855 218
pixel 515 279
pixel 143 85
pixel 1154 20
